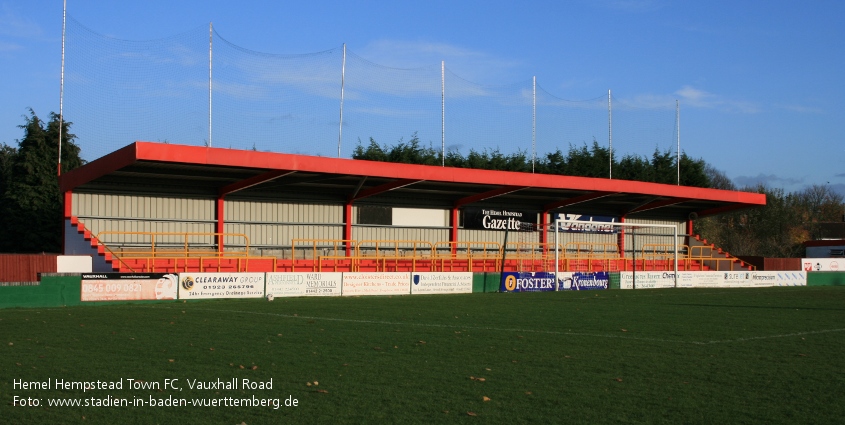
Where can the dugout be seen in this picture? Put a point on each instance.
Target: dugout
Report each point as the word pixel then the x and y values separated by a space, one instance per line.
pixel 253 203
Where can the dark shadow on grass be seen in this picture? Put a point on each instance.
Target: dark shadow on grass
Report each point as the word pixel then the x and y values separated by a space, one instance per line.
pixel 761 307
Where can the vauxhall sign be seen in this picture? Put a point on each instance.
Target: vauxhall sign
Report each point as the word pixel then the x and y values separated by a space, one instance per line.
pixel 499 219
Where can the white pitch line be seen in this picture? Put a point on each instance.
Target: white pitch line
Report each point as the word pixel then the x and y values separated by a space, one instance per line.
pixel 433 325
pixel 539 331
pixel 753 338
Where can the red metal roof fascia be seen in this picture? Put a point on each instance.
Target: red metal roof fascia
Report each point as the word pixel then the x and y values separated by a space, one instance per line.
pixel 487 195
pixel 577 200
pixel 658 204
pixel 383 188
pixel 93 170
pixel 253 181
pixel 268 160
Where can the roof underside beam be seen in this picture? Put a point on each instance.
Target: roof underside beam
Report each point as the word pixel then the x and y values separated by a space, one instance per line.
pixel 577 200
pixel 253 181
pixel 487 195
pixel 656 204
pixel 387 187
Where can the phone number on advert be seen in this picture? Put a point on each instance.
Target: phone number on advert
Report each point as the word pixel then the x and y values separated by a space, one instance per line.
pixel 213 287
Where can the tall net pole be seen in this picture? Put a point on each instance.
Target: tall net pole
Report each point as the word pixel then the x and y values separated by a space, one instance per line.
pixel 443 112
pixel 62 86
pixel 610 135
pixel 210 41
pixel 342 86
pixel 534 124
pixel 678 124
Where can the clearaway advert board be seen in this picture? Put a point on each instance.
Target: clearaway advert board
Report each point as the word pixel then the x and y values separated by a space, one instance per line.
pixel 220 285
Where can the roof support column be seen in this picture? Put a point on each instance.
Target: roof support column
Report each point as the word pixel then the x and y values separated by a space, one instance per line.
pixel 220 225
pixel 347 227
pixel 620 239
pixel 453 232
pixel 544 227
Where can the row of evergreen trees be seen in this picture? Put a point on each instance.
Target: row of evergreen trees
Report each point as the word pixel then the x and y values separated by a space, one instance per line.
pixel 31 204
pixel 30 201
pixel 592 161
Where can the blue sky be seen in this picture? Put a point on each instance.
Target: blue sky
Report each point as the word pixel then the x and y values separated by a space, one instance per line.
pixel 759 82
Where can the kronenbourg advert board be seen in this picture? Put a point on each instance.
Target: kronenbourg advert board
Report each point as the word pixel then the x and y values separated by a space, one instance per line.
pixel 194 286
pixel 441 283
pixel 128 286
pixel 582 281
pixel 304 284
pixel 376 283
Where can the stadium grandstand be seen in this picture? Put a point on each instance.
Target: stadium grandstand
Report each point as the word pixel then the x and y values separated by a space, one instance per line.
pixel 156 207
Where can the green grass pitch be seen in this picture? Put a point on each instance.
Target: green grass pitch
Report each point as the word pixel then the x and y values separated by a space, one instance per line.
pixel 771 355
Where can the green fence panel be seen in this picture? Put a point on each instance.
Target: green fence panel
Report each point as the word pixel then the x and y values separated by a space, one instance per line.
pixel 614 281
pixel 825 278
pixel 55 290
pixel 486 282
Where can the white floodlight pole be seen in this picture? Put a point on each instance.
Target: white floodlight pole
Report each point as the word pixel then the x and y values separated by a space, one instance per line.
pixel 342 86
pixel 534 125
pixel 62 85
pixel 210 41
pixel 678 124
pixel 610 134
pixel 443 112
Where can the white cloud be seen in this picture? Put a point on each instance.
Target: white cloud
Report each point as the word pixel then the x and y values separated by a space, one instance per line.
pixel 12 24
pixel 469 64
pixel 768 180
pixel 9 47
pixel 800 108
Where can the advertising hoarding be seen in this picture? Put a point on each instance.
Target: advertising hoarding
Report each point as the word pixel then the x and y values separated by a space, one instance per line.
pixel 220 285
pixel 128 286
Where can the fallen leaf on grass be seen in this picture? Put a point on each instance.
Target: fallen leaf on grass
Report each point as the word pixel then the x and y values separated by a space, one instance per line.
pixel 471 414
pixel 618 379
pixel 254 368
pixel 528 393
pixel 323 391
pixel 624 330
pixel 485 398
pixel 171 360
